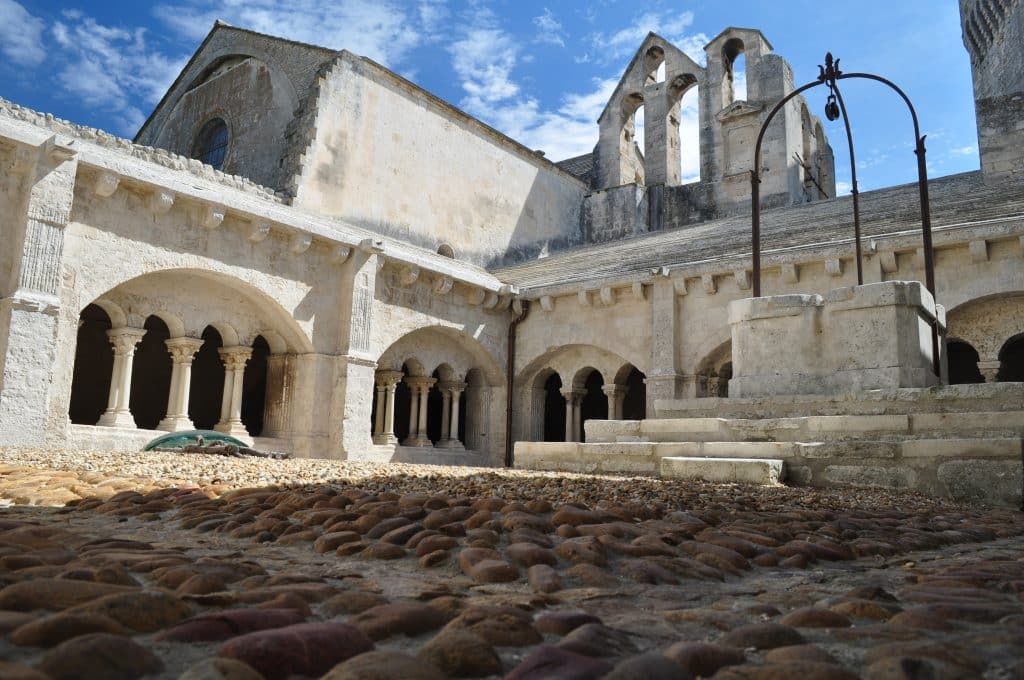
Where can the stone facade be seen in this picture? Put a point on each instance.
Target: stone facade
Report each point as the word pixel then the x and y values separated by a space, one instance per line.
pixel 341 286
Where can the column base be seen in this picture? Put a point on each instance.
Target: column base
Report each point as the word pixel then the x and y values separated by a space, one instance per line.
pixel 175 424
pixel 451 444
pixel 385 439
pixel 419 440
pixel 235 428
pixel 117 419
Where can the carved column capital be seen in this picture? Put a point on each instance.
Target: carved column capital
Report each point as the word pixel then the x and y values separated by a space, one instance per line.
pixel 183 349
pixel 235 357
pixel 452 387
pixel 573 395
pixel 125 339
pixel 388 378
pixel 614 390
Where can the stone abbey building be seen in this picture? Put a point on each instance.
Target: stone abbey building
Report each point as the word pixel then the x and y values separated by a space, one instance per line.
pixel 302 248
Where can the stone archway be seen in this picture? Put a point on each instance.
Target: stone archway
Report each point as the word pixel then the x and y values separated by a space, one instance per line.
pixel 94 364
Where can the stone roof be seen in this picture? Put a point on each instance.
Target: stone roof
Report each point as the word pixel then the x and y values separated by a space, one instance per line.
pixel 581 167
pixel 954 200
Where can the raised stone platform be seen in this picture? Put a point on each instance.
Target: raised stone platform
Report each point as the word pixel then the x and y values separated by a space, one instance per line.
pixel 928 439
pixel 743 470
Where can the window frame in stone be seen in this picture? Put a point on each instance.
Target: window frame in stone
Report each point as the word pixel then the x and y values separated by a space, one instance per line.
pixel 208 148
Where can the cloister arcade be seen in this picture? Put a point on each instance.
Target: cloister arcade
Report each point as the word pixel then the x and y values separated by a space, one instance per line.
pixel 435 388
pixel 597 385
pixel 986 340
pixel 197 359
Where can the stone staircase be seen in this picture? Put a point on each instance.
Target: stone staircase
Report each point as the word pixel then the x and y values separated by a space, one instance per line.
pixel 962 441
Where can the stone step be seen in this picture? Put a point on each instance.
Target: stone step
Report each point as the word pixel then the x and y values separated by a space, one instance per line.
pixel 734 470
pixel 985 397
pixel 814 428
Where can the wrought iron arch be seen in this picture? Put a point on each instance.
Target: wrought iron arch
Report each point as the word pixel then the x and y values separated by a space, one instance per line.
pixel 835 108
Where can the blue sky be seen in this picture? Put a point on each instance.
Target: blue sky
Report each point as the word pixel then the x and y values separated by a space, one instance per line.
pixel 540 71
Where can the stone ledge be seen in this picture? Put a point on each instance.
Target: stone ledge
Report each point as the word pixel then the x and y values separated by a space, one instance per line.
pixel 735 470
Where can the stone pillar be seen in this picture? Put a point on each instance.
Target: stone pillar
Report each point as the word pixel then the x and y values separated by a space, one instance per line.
pixel 990 370
pixel 124 341
pixel 380 397
pixel 421 438
pixel 414 411
pixel 446 419
pixel 573 398
pixel 389 380
pixel 182 351
pixel 453 395
pixel 234 359
pixel 616 395
pixel 36 328
pixel 664 380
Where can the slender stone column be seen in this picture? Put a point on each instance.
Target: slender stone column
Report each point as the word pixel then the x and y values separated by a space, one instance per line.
pixel 379 398
pixel 414 411
pixel 124 341
pixel 616 395
pixel 423 386
pixel 446 420
pixel 182 351
pixel 234 359
pixel 456 391
pixel 572 413
pixel 389 380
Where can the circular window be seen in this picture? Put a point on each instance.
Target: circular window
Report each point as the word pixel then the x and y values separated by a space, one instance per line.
pixel 211 145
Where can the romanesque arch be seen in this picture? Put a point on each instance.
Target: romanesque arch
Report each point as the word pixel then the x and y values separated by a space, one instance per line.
pixel 715 371
pixel 189 349
pixel 561 389
pixel 988 325
pixel 435 387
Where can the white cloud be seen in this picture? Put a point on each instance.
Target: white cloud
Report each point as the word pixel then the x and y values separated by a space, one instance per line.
pixel 550 29
pixel 111 68
pixel 672 27
pixel 383 30
pixel 485 58
pixel 21 35
pixel 843 188
pixel 968 150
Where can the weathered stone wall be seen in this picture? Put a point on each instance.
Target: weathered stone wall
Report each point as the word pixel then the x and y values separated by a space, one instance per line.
pixel 615 213
pixel 390 157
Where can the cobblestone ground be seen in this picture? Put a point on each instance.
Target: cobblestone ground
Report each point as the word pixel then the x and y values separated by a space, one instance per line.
pixel 202 567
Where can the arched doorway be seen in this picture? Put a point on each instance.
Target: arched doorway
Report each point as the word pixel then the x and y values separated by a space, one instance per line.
pixel 254 387
pixel 151 375
pixel 204 401
pixel 963 363
pixel 634 404
pixel 594 404
pixel 1011 360
pixel 554 409
pixel 94 363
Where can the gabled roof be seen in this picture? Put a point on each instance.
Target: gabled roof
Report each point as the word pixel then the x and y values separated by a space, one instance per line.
pixel 189 71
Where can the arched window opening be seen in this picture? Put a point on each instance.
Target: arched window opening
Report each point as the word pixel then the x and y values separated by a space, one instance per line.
pixel 634 404
pixel 687 112
pixel 734 86
pixel 403 402
pixel 94 363
pixel 207 387
pixel 631 142
pixel 654 63
pixel 595 402
pixel 435 409
pixel 554 410
pixel 963 363
pixel 1011 360
pixel 211 144
pixel 724 376
pixel 151 375
pixel 254 387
